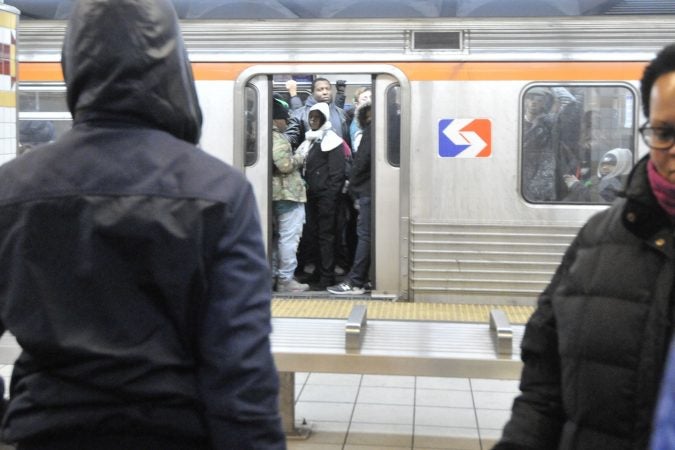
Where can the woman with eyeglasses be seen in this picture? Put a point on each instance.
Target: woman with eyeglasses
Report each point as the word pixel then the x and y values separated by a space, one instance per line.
pixel 595 348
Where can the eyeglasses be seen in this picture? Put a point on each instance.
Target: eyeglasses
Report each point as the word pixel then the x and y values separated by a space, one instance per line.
pixel 658 138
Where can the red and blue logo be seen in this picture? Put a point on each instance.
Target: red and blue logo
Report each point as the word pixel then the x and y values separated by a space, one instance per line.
pixel 464 138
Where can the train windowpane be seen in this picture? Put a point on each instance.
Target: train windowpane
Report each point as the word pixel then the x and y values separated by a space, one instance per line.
pixel 577 142
pixel 394 125
pixel 251 126
pixel 43 115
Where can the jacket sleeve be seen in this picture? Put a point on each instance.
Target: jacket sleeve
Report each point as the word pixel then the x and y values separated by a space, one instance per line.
pixel 340 99
pixel 336 169
pixel 361 167
pixel 237 376
pixel 282 155
pixel 295 130
pixel 296 103
pixel 537 415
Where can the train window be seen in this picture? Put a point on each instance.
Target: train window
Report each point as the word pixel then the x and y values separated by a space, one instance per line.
pixel 577 142
pixel 43 115
pixel 303 86
pixel 394 125
pixel 251 126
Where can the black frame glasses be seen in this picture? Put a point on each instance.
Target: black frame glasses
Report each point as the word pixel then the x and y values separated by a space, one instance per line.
pixel 658 138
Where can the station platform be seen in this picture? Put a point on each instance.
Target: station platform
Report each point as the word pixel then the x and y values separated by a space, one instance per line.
pixel 378 412
pixel 373 412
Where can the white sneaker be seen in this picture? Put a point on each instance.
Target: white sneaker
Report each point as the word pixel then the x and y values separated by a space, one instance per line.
pixel 291 286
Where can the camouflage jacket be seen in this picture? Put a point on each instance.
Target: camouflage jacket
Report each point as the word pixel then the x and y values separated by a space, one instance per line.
pixel 287 183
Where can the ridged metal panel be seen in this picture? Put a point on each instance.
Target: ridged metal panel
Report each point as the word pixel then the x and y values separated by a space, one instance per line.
pixel 504 263
pixel 626 7
pixel 579 38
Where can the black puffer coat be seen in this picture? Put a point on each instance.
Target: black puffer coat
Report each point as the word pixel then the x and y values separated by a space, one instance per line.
pixel 133 269
pixel 595 348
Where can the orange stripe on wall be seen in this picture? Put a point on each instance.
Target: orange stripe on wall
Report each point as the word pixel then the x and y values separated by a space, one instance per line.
pixel 416 71
pixel 40 72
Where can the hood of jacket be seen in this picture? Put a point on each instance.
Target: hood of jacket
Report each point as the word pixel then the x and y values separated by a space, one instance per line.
pixel 125 61
pixel 623 162
pixel 329 139
pixel 324 109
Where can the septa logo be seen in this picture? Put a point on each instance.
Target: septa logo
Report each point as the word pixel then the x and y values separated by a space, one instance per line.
pixel 464 138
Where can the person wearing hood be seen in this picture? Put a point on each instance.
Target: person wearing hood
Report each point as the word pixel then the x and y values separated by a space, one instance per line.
pixel 595 348
pixel 324 172
pixel 135 278
pixel 614 167
pixel 298 124
pixel 539 163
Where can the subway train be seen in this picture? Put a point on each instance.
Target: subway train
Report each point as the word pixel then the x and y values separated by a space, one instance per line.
pixel 483 128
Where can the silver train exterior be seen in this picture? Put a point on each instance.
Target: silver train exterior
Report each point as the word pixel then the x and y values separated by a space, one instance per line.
pixel 452 219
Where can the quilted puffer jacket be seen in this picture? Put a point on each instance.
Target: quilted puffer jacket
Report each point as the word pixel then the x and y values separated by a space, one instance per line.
pixel 595 348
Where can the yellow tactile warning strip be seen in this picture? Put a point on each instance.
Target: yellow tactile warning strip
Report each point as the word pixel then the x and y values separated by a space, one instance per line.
pixel 339 309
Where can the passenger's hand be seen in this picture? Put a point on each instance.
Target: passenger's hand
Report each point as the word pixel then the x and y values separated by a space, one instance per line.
pixel 570 180
pixel 345 187
pixel 340 85
pixel 292 87
pixel 302 150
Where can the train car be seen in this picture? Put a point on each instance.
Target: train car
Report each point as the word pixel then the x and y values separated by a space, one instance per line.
pixel 473 191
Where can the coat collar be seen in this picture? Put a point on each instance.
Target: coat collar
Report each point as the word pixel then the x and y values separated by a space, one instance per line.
pixel 642 215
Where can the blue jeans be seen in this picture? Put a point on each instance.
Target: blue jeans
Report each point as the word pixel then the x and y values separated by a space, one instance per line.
pixel 359 274
pixel 286 239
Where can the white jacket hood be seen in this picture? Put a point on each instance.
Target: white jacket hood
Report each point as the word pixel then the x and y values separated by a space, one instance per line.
pixel 329 139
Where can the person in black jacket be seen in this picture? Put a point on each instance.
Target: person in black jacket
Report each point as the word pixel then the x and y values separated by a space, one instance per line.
pixel 134 272
pixel 594 350
pixel 324 172
pixel 359 183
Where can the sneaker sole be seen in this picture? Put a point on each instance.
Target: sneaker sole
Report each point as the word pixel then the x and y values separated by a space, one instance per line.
pixel 353 292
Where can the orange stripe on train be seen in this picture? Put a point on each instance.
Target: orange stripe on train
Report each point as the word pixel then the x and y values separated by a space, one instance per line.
pixel 416 71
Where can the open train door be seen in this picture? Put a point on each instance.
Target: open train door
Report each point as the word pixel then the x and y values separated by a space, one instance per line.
pixel 389 226
pixel 254 148
pixel 253 96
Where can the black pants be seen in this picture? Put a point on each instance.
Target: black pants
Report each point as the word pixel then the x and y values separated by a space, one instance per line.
pixel 345 235
pixel 321 209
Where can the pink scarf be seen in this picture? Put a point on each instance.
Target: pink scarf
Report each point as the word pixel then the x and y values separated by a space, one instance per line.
pixel 663 190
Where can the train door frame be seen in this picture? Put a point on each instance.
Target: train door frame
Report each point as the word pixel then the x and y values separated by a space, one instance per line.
pixel 390 209
pixel 259 173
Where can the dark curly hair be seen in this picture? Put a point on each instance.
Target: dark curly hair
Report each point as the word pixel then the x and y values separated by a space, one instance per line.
pixel 362 114
pixel 662 64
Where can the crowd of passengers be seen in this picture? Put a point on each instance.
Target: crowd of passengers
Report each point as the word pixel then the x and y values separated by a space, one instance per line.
pixel 565 158
pixel 321 190
pixel 136 280
pixel 322 227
